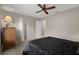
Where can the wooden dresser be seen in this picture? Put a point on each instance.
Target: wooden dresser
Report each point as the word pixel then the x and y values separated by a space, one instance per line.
pixel 9 37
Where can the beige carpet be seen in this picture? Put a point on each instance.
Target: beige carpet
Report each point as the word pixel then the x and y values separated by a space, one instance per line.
pixel 15 51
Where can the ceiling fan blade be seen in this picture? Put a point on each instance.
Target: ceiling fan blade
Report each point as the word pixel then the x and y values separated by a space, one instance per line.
pixel 40 6
pixel 39 11
pixel 45 11
pixel 50 8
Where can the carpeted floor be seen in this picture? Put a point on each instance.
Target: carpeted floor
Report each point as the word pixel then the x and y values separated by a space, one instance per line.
pixel 15 51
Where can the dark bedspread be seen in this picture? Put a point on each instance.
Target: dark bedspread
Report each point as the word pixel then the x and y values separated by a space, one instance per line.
pixel 51 46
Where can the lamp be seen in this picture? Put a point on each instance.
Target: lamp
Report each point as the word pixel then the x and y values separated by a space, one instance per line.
pixel 7 20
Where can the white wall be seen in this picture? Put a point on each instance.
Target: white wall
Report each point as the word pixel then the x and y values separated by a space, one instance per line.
pixel 20 30
pixel 63 25
pixel 38 29
pixel 30 28
pixel 0 32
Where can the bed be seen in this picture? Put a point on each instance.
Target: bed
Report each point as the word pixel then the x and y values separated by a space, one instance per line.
pixel 51 46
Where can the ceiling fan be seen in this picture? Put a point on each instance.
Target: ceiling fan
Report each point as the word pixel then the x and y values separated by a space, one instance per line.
pixel 44 8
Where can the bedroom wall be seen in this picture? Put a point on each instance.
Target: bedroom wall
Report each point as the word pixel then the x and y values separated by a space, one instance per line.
pixel 28 25
pixel 38 29
pixel 0 36
pixel 63 25
pixel 30 28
